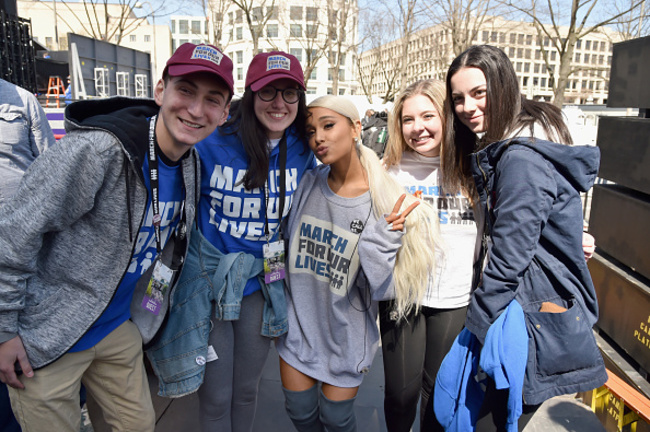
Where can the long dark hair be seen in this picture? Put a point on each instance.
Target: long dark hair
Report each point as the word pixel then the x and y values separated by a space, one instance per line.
pixel 547 115
pixel 503 103
pixel 250 130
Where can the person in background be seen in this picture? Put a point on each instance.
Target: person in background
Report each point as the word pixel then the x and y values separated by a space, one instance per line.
pixel 93 220
pixel 24 134
pixel 348 248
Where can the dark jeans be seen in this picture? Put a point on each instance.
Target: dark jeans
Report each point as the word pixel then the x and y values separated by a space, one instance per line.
pixel 8 422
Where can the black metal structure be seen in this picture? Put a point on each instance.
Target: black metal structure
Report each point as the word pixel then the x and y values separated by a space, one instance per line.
pixel 17 63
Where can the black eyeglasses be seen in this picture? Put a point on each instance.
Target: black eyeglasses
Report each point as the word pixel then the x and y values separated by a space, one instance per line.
pixel 290 95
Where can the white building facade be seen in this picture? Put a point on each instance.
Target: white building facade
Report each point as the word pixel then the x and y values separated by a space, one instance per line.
pixel 320 33
pixel 430 53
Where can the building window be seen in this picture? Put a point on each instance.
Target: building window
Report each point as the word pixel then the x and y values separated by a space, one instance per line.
pixel 588 45
pixel 502 38
pixel 147 38
pixel 511 52
pixel 173 23
pixel 536 68
pixel 311 90
pixel 513 38
pixel 486 35
pixel 196 27
pixel 240 57
pixel 520 39
pixel 132 38
pixel 183 27
pixel 297 52
pixel 341 74
pixel 577 60
pixel 257 13
pixel 240 33
pixel 230 18
pixel 295 30
pixel 518 67
pixel 553 55
pixel 526 67
pixel 543 82
pixel 586 59
pixel 239 16
pixel 311 14
pixel 272 30
pixel 311 31
pixel 313 74
pixel 240 73
pixel 579 44
pixel 529 39
pixel 272 12
pixel 295 12
pixel 329 90
pixel 341 92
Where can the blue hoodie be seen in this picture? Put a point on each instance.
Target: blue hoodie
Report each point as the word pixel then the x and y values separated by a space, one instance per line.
pixel 458 395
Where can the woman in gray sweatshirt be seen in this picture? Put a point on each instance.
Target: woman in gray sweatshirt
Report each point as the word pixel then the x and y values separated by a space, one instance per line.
pixel 350 245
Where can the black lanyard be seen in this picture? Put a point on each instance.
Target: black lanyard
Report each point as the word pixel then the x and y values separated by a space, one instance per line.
pixel 283 187
pixel 155 186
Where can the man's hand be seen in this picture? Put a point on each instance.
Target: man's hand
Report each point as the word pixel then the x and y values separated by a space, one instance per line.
pixel 13 351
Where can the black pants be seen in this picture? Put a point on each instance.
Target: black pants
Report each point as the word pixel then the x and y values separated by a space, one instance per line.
pixel 413 352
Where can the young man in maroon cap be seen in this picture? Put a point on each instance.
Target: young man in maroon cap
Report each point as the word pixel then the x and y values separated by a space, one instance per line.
pixel 98 218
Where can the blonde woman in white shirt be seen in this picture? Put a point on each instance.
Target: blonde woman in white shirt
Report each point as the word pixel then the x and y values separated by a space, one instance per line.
pixel 413 348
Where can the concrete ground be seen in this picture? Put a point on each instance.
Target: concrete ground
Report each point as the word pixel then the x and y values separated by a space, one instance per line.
pixel 563 413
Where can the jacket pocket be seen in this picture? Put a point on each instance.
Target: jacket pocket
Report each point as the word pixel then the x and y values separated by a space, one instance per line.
pixel 13 127
pixel 560 342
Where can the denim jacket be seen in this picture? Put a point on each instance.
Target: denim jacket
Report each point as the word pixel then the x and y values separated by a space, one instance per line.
pixel 179 352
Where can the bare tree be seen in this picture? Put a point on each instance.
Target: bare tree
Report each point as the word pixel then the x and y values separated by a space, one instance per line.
pixel 103 19
pixel 256 13
pixel 634 24
pixel 389 20
pixel 583 17
pixel 215 12
pixel 462 20
pixel 341 25
pixel 312 38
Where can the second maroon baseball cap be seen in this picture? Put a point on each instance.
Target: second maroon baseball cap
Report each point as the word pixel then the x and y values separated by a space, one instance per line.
pixel 189 58
pixel 271 66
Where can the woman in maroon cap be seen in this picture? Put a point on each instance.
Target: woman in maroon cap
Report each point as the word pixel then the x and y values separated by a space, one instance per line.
pixel 250 168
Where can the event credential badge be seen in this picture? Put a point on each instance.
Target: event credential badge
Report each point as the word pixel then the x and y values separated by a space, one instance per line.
pixel 274 261
pixel 158 285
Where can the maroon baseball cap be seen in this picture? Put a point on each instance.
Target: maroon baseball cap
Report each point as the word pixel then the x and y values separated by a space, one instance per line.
pixel 271 66
pixel 189 58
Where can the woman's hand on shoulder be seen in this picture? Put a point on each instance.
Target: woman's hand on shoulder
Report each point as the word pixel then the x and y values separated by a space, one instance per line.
pixel 396 219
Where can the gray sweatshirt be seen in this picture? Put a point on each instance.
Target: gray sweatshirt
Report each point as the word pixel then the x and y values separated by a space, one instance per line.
pixel 68 234
pixel 340 263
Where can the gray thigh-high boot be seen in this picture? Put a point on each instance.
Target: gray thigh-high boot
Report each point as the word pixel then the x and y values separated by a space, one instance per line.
pixel 337 416
pixel 302 407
